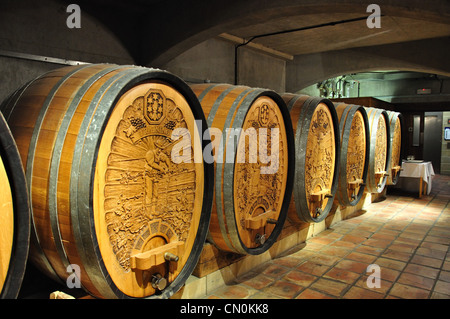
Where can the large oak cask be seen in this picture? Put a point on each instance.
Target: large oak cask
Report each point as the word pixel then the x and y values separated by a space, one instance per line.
pixel 395 126
pixel 253 156
pixel 380 151
pixel 354 158
pixel 317 150
pixel 14 216
pixel 120 194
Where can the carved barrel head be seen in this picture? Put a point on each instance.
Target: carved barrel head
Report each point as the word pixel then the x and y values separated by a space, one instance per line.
pixel 148 186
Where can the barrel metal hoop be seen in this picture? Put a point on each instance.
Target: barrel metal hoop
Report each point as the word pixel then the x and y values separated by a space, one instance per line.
pixel 9 104
pixel 206 91
pixel 56 157
pixel 22 213
pixel 30 162
pixel 366 160
pixel 374 116
pixel 220 156
pixel 345 125
pixel 217 103
pixel 6 107
pixel 393 117
pixel 372 122
pixel 302 130
pixel 208 192
pixel 294 100
pixel 388 147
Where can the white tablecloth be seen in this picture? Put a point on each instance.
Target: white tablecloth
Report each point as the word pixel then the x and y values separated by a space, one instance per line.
pixel 417 170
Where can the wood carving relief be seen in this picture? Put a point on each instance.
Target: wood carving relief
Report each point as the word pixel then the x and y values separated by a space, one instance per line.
pixel 257 193
pixel 396 144
pixel 142 183
pixel 380 147
pixel 356 150
pixel 319 159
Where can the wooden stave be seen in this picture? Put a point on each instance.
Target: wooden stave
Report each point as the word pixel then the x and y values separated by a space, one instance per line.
pixel 37 255
pixel 299 207
pixel 47 265
pixel 246 96
pixel 53 178
pixel 126 77
pixel 344 127
pixel 393 116
pixel 373 116
pixel 22 213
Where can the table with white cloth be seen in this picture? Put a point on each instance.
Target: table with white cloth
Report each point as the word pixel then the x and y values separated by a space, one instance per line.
pixel 412 171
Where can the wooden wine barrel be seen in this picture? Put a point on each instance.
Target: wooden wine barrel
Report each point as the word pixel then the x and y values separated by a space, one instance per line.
pixel 354 157
pixel 380 151
pixel 14 216
pixel 253 177
pixel 120 195
pixel 395 126
pixel 317 150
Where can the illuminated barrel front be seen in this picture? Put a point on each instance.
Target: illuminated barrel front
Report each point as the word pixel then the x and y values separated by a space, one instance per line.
pixel 354 158
pixel 396 125
pixel 380 154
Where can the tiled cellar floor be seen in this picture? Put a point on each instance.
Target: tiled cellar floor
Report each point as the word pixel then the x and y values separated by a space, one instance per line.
pixel 404 238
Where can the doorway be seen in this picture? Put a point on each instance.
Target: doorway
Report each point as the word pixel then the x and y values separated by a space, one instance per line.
pixel 432 139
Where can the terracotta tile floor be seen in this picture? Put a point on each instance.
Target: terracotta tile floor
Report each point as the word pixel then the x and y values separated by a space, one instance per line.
pixel 406 237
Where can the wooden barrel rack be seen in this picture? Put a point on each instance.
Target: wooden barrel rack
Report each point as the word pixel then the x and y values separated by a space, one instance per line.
pixel 317 149
pixel 15 216
pixel 354 156
pixel 106 193
pixel 380 151
pixel 396 127
pixel 250 205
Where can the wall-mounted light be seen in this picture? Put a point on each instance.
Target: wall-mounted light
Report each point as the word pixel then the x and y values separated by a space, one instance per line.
pixel 423 91
pixel 416 131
